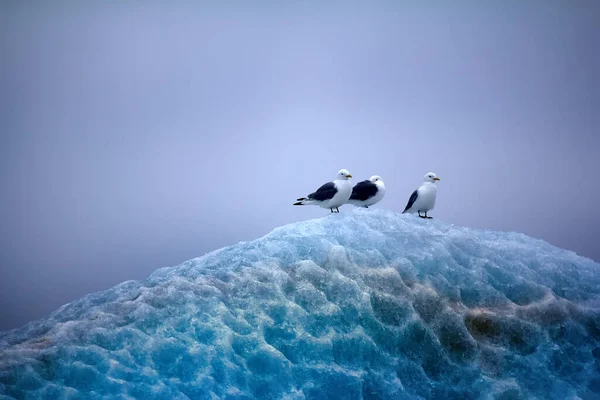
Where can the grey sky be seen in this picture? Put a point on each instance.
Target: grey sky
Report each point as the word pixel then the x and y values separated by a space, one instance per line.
pixel 138 136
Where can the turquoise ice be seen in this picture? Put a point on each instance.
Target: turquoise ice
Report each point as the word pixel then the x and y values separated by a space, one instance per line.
pixel 366 304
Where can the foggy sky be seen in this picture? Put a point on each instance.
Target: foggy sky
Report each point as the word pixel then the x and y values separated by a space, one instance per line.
pixel 139 136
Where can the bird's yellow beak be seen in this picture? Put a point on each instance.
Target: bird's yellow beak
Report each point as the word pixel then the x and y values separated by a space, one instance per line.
pixel 349 176
pixel 436 179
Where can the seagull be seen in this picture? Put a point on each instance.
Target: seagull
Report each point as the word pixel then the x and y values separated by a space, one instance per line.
pixel 423 199
pixel 368 192
pixel 331 195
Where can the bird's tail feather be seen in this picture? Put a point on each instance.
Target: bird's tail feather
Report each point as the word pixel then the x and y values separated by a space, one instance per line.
pixel 300 201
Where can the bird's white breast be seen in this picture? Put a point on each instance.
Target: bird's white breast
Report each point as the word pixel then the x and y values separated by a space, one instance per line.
pixel 378 196
pixel 344 188
pixel 426 199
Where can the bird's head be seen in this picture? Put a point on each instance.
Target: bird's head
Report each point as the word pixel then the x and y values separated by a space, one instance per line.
pixel 431 177
pixel 376 179
pixel 344 174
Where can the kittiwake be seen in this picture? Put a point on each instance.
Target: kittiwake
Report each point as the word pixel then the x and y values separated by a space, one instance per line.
pixel 331 195
pixel 368 192
pixel 423 199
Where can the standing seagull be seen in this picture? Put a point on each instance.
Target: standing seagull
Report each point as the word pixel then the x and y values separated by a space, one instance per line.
pixel 332 194
pixel 423 199
pixel 368 192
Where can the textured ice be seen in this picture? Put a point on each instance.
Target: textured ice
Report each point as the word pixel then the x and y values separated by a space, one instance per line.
pixel 367 304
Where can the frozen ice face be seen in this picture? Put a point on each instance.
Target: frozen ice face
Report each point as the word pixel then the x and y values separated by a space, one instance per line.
pixel 379 304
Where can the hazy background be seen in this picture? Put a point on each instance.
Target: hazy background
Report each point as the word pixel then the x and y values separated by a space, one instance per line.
pixel 138 136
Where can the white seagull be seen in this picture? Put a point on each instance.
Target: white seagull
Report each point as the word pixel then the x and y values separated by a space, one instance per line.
pixel 423 199
pixel 368 192
pixel 331 195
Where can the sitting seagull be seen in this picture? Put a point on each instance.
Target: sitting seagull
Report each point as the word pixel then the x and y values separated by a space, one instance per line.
pixel 368 192
pixel 332 194
pixel 423 199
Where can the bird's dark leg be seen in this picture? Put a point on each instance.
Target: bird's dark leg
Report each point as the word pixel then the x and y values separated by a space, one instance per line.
pixel 428 217
pixel 366 206
pixel 420 216
pixel 337 209
pixel 331 209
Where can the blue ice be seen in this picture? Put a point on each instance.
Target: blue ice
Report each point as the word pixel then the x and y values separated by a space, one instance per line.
pixel 367 304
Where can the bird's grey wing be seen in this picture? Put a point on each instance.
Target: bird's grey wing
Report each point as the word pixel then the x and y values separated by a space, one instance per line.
pixel 363 191
pixel 411 201
pixel 325 192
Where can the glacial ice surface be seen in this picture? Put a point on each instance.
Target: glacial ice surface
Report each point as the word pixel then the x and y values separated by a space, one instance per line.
pixel 365 304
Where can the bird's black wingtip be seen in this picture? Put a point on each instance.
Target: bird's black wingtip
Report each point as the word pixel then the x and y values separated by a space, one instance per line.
pixel 298 204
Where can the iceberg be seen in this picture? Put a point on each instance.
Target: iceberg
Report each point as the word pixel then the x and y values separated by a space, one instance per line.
pixel 366 304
